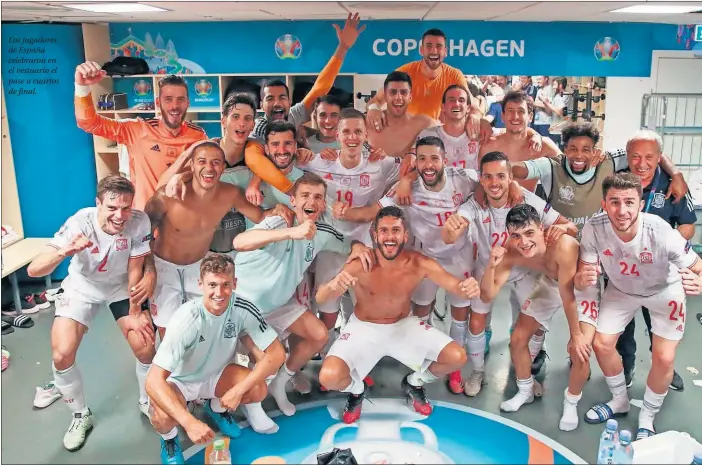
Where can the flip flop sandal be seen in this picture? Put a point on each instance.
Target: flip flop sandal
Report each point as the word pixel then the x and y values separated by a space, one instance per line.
pixel 604 412
pixel 7 328
pixel 20 321
pixel 644 433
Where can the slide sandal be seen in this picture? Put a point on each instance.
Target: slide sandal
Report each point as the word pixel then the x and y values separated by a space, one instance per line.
pixel 20 321
pixel 644 433
pixel 7 328
pixel 604 412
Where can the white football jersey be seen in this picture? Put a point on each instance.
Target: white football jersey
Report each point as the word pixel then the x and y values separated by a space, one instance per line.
pixel 646 265
pixel 430 210
pixel 100 270
pixel 489 229
pixel 461 152
pixel 358 187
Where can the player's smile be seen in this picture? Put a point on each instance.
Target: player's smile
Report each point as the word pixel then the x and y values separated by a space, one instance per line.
pixel 283 160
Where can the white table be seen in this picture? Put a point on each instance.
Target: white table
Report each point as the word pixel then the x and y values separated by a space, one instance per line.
pixel 17 255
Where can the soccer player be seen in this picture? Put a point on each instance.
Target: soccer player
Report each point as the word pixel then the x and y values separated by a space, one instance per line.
pixel 488 229
pixel 108 245
pixel 643 257
pixel 327 114
pixel 194 360
pixel 382 325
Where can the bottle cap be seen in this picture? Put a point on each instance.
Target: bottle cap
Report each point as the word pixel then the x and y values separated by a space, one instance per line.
pixel 625 436
pixel 612 424
pixel 219 444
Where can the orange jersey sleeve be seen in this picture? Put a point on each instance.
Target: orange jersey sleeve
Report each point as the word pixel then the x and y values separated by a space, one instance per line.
pixel 264 168
pixel 122 132
pixel 324 81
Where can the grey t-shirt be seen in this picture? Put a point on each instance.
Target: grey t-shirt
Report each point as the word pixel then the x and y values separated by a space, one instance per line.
pixel 298 116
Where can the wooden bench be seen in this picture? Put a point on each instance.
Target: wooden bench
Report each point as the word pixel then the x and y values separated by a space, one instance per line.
pixel 19 254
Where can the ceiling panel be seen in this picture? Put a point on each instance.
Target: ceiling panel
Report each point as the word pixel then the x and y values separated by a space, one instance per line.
pixel 474 10
pixel 556 11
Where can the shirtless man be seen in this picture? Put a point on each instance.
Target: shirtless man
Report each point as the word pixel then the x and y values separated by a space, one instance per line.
pixel 186 227
pixel 552 272
pixel 382 324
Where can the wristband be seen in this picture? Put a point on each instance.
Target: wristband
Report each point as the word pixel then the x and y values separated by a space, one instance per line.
pixel 373 106
pixel 82 91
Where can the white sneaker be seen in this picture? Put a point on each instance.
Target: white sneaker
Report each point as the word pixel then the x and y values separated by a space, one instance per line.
pixel 474 384
pixel 144 408
pixel 78 431
pixel 300 383
pixel 47 395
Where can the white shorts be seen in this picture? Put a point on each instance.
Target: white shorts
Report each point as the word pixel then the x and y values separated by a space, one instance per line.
pixel 198 390
pixel 281 318
pixel 461 266
pixel 326 266
pixel 588 302
pixel 543 301
pixel 519 290
pixel 175 285
pixel 410 341
pixel 73 305
pixel 667 309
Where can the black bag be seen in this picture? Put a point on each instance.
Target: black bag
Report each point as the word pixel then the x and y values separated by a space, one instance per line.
pixel 126 66
pixel 337 457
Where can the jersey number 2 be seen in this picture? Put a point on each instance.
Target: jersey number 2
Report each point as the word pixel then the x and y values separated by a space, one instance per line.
pixel 591 308
pixel 496 239
pixel 627 271
pixel 102 266
pixel 678 311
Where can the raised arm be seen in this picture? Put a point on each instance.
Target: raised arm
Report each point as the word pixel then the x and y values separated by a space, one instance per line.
pixel 346 279
pixel 179 165
pixel 269 231
pixel 264 168
pixel 496 274
pixel 156 208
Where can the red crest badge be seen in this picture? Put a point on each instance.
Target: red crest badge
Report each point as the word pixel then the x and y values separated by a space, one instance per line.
pixel 365 180
pixel 646 257
pixel 121 244
pixel 457 199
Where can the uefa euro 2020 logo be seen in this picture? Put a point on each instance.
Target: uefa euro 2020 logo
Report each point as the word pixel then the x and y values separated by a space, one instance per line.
pixel 607 49
pixel 203 88
pixel 142 88
pixel 288 47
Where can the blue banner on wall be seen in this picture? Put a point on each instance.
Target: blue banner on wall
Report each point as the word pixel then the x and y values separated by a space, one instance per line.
pixel 476 47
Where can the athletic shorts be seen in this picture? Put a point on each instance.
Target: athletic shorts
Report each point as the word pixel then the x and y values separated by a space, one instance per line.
pixel 543 301
pixel 461 266
pixel 588 302
pixel 175 285
pixel 519 291
pixel 410 341
pixel 326 266
pixel 281 318
pixel 197 390
pixel 667 309
pixel 73 305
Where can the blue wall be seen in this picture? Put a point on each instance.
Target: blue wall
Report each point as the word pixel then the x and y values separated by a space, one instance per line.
pixel 54 159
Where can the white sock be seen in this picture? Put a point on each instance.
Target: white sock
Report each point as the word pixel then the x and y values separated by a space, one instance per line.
pixel 70 383
pixel 141 371
pixel 277 390
pixel 356 387
pixel 457 331
pixel 476 350
pixel 259 421
pixel 217 406
pixel 525 395
pixel 620 398
pixel 418 379
pixel 171 434
pixel 652 403
pixel 569 420
pixel 535 345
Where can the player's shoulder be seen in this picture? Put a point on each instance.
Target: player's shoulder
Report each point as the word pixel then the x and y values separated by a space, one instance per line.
pixel 189 316
pixel 84 214
pixel 431 131
pixel 138 221
pixel 598 220
pixel 411 68
pixel 195 131
pixel 242 307
pixel 326 225
pixel 654 223
pixel 454 72
pixel 566 244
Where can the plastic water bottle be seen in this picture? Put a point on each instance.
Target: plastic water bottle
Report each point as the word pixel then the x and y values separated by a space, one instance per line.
pixel 697 460
pixel 220 454
pixel 608 441
pixel 624 452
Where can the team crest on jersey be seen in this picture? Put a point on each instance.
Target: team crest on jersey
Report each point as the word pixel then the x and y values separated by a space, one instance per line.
pixel 172 152
pixel 121 244
pixel 658 200
pixel 646 257
pixel 309 253
pixel 229 330
pixel 457 199
pixel 526 304
pixel 473 147
pixel 365 180
pixel 566 194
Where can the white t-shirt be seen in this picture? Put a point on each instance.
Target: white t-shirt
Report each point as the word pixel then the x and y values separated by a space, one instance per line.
pixel 647 264
pixel 461 152
pixel 430 210
pixel 99 271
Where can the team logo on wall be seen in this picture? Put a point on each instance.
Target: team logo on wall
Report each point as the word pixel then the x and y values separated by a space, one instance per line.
pixel 203 87
pixel 142 88
pixel 288 47
pixel 607 49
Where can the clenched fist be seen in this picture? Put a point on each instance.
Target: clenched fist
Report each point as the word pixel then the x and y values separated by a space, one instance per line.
pixel 470 288
pixel 497 254
pixel 306 230
pixel 343 282
pixel 339 209
pixel 587 276
pixel 89 73
pixel 78 243
pixel 456 226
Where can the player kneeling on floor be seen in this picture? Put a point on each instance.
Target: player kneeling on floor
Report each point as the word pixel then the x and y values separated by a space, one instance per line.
pixel 194 360
pixel 382 324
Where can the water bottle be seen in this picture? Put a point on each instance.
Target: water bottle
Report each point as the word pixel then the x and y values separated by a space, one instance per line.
pixel 220 455
pixel 624 452
pixel 697 460
pixel 608 441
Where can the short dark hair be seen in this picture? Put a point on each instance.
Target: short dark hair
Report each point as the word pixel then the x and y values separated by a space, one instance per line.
pixel 520 216
pixel 563 81
pixel 621 181
pixel 329 100
pixel 275 127
pixel 172 80
pixel 518 96
pixel 114 184
pixel 217 263
pixel 431 141
pixel 580 130
pixel 273 83
pixel 434 32
pixel 237 99
pixel 493 157
pixel 351 113
pixel 309 179
pixel 391 211
pixel 208 144
pixel 456 86
pixel 397 76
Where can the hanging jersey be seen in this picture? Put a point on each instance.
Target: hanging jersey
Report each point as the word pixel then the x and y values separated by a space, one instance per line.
pixel 647 264
pixel 199 344
pixel 100 270
pixel 461 152
pixel 430 210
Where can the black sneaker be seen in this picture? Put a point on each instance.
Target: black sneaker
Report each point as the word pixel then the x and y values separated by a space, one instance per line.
pixel 417 396
pixel 538 362
pixel 629 376
pixel 677 383
pixel 352 411
pixel 28 307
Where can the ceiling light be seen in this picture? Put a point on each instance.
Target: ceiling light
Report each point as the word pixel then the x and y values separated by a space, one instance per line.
pixel 659 9
pixel 118 7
